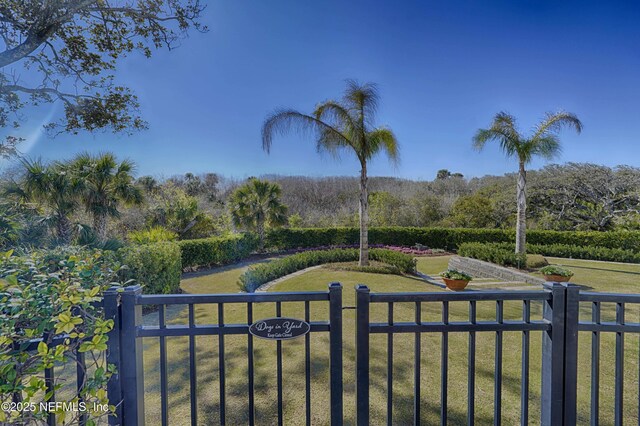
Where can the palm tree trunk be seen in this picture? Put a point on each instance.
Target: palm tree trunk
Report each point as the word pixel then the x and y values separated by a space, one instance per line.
pixel 100 226
pixel 63 230
pixel 364 217
pixel 260 231
pixel 521 224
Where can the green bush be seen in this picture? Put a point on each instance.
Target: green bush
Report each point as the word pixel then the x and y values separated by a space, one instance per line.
pixel 567 251
pixel 255 276
pixel 155 234
pixel 556 270
pixel 157 267
pixel 536 261
pixel 500 254
pixel 44 295
pixel 446 238
pixel 217 250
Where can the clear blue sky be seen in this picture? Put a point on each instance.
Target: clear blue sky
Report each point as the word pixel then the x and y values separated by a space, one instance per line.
pixel 444 69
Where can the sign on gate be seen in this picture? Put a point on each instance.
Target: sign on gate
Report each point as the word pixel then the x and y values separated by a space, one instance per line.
pixel 279 328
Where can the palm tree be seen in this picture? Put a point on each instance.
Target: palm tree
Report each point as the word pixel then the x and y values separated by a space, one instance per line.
pixel 104 184
pixel 338 125
pixel 256 204
pixel 544 142
pixel 52 187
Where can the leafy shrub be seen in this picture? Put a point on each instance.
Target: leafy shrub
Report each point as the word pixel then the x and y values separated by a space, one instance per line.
pixel 373 268
pixel 263 273
pixel 44 296
pixel 216 250
pixel 500 254
pixel 556 270
pixel 576 252
pixel 536 261
pixel 454 274
pixel 157 267
pixel 154 234
pixel 445 238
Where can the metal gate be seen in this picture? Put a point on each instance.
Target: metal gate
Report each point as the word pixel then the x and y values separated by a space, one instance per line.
pixel 126 389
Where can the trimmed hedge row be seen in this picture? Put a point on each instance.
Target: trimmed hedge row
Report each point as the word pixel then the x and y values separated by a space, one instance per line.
pixel 499 254
pixel 155 266
pixel 255 276
pixel 216 250
pixel 445 238
pixel 555 250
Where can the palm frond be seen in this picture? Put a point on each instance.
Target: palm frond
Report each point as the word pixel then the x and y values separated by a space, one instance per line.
pixel 503 130
pixel 547 147
pixel 363 99
pixel 384 139
pixel 553 122
pixel 284 120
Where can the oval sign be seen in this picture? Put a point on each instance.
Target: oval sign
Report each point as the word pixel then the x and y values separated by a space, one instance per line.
pixel 279 328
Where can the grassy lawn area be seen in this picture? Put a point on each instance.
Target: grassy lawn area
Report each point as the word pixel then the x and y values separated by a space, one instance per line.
pixel 293 355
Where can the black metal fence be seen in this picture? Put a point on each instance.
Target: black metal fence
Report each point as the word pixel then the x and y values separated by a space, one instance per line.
pixel 126 389
pixel 561 315
pixel 559 325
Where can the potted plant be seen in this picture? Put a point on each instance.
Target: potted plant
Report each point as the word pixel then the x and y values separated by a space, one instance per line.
pixel 455 280
pixel 556 273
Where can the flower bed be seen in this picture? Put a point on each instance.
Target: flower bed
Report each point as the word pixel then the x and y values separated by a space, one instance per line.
pixel 417 250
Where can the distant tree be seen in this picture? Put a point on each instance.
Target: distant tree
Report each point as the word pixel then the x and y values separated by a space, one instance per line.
pixel 148 183
pixel 256 205
pixel 51 187
pixel 583 196
pixel 384 208
pixel 443 174
pixel 71 49
pixel 543 142
pixel 338 125
pixel 295 220
pixel 472 211
pixel 104 185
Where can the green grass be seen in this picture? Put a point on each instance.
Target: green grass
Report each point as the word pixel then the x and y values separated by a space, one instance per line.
pixel 293 355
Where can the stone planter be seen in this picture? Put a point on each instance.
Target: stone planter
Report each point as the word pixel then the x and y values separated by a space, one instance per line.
pixel 455 285
pixel 557 278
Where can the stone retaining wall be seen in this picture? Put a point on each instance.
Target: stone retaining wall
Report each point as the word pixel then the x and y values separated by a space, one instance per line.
pixel 482 269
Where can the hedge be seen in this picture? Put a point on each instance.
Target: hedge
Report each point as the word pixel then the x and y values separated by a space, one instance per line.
pixel 445 238
pixel 555 250
pixel 157 266
pixel 263 273
pixel 500 254
pixel 216 250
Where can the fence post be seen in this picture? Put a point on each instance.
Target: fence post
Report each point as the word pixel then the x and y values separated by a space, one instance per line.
pixel 572 312
pixel 560 355
pixel 131 378
pixel 553 356
pixel 335 343
pixel 362 355
pixel 114 388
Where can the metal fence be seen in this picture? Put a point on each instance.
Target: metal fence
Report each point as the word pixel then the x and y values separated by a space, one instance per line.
pixel 559 326
pixel 126 389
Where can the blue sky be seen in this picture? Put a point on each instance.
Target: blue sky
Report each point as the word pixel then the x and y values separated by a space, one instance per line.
pixel 443 68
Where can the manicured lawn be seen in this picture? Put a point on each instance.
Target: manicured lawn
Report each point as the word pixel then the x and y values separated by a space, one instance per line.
pixel 293 355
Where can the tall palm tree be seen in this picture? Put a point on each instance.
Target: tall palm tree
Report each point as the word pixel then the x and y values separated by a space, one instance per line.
pixel 543 142
pixel 256 204
pixel 51 187
pixel 104 184
pixel 346 124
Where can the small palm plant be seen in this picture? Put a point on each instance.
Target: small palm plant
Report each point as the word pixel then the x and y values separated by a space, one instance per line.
pixel 256 205
pixel 49 186
pixel 104 185
pixel 544 142
pixel 339 125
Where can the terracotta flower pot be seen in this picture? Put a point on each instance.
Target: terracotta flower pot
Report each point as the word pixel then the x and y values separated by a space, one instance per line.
pixel 455 285
pixel 557 278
